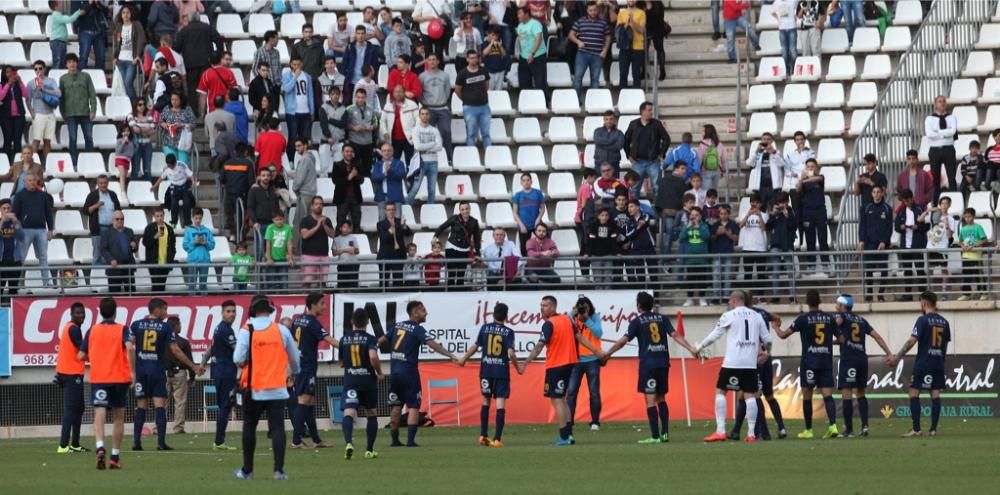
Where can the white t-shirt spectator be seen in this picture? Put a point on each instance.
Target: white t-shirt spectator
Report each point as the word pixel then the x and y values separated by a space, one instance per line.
pixel 753 235
pixel 178 175
pixel 937 237
pixel 786 10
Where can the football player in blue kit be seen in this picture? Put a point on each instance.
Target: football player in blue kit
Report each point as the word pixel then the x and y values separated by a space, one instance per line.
pixel 651 329
pixel 852 379
pixel 405 339
pixel 497 342
pixel 362 372
pixel 765 374
pixel 931 334
pixel 151 337
pixel 308 333
pixel 223 371
pixel 816 329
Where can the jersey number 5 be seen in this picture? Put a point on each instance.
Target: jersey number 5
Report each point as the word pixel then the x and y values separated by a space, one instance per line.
pixel 820 331
pixel 936 339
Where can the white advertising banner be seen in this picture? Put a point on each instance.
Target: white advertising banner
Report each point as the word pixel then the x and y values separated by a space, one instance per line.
pixel 454 318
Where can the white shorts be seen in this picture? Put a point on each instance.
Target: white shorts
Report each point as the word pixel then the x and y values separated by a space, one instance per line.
pixel 43 127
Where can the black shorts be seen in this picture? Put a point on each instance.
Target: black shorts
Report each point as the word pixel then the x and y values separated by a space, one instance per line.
pixel 653 381
pixel 495 388
pixel 556 380
pixel 742 380
pixel 927 379
pixel 853 374
pixel 937 258
pixel 305 383
pixel 360 392
pixel 150 385
pixel 765 378
pixel 108 395
pixel 815 378
pixel 404 388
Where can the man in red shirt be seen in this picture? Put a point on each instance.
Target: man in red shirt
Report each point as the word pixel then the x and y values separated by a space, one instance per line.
pixel 216 81
pixel 270 146
pixel 734 12
pixel 403 75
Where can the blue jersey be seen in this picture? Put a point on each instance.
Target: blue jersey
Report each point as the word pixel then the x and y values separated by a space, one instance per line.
pixel 816 330
pixel 854 329
pixel 308 333
pixel 933 334
pixel 354 349
pixel 406 339
pixel 652 330
pixel 152 337
pixel 495 340
pixel 223 345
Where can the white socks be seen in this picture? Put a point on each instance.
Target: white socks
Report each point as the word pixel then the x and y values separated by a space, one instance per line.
pixel 751 415
pixel 720 414
pixel 100 444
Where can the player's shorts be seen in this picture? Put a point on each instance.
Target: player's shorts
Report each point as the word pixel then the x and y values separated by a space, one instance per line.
pixel 305 383
pixel 853 374
pixel 43 126
pixel 150 385
pixel 738 379
pixel 927 379
pixel 653 381
pixel 556 381
pixel 815 378
pixel 765 378
pixel 495 388
pixel 360 392
pixel 108 395
pixel 405 389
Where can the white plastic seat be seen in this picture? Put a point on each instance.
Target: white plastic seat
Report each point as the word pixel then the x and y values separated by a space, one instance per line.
pixel 69 223
pixel 835 41
pixel 946 64
pixel 963 91
pixel 458 187
pixel 60 165
pixel 992 120
pixel 561 186
pixel 12 53
pixel 500 216
pixel 433 215
pixel 957 200
pixel 630 99
pixel 762 97
pixel 866 40
pixel 230 26
pixel 807 69
pixel 877 67
pixel 566 241
pixel 532 102
pixel 325 189
pixel 75 193
pixel 562 130
pixel 135 219
pixel 91 165
pixel 83 250
pixel 27 27
pixel 244 52
pixel 842 68
pixel 259 24
pixel 967 117
pixel 766 20
pixel 5 29
pixel 559 75
pixel 829 95
pixel 989 36
pixel 369 218
pixel 981 201
pixel 527 130
pixel 979 64
pixel 498 159
pixel 565 102
pixel 908 13
pixel 863 94
pixel 835 179
pixel 493 187
pixel 117 107
pixel 897 39
pixel 139 194
pixel 291 25
pixel 466 159
pixel 590 124
pixel 831 152
pixel 795 122
pixel 531 159
pixel 423 241
pixel 101 87
pixel 796 97
pixel 40 50
pixel 105 136
pixel 565 214
pixel 991 91
pixel 762 122
pixel 498 131
pixel 770 44
pixel 499 102
pixel 858 120
pixel 565 157
pixel 598 101
pixel 829 123
pixel 771 69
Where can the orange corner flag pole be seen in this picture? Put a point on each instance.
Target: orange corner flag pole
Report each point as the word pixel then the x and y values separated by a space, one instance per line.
pixel 684 373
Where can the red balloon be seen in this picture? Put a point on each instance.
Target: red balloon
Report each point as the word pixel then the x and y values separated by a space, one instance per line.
pixel 435 29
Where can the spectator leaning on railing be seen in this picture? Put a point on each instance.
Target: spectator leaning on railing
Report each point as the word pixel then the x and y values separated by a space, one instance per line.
pixel 33 208
pixel 464 242
pixel 159 241
pixel 911 224
pixel 117 248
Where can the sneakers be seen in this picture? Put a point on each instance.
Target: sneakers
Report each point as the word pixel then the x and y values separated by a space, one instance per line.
pixel 136 447
pixel 716 437
pixel 222 446
pixel 984 297
pixel 298 446
pixel 240 475
pixel 716 36
pixel 349 451
pixel 964 298
pixel 321 445
pixel 735 436
pixel 62 450
pixel 864 431
pixel 847 434
pixel 595 427
pixel 688 303
pixel 78 449
pixel 750 439
pixel 100 459
pixel 164 447
pixel 665 438
pixel 648 441
pixel 496 444
pixel 280 475
pixel 114 463
pixel 559 442
pixel 572 441
pixel 483 441
pixel 932 433
pixel 371 454
pixel 702 302
pixel 806 435
pixel 782 434
pixel 831 432
pixel 909 434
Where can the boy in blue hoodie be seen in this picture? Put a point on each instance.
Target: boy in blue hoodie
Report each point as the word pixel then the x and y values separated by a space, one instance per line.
pixel 388 175
pixel 234 105
pixel 684 153
pixel 199 243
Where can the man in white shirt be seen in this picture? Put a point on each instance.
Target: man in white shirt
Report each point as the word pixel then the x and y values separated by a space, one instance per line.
pixel 745 332
pixel 784 11
pixel 941 129
pixel 795 165
pixel 495 255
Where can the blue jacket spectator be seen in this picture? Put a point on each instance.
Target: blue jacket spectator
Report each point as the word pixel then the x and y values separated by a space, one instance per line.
pixel 684 153
pixel 370 57
pixel 388 187
pixel 288 82
pixel 236 107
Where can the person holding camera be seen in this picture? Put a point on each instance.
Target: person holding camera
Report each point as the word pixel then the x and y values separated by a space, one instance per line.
pixel 588 321
pixel 813 215
pixel 768 166
pixel 781 225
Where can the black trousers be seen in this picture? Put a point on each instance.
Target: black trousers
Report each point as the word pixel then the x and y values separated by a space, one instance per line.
pixel 158 279
pixel 252 412
pixel 533 75
pixel 943 155
pixel 120 279
pixel 13 133
pixel 73 407
pixel 365 153
pixel 523 238
pixel 402 148
pixel 350 207
pixel 457 262
pixel 347 276
pixel 234 208
pixel 914 272
pixel 193 77
pixel 873 262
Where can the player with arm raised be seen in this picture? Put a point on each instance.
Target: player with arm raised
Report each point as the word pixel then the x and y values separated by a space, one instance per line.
pixel 560 337
pixel 816 329
pixel 308 333
pixel 765 374
pixel 931 334
pixel 651 329
pixel 497 342
pixel 404 376
pixel 745 332
pixel 853 376
pixel 362 371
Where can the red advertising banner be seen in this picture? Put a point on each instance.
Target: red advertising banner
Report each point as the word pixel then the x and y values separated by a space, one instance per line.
pixel 36 321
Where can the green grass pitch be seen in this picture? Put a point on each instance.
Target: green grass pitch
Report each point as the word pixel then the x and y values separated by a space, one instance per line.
pixel 962 459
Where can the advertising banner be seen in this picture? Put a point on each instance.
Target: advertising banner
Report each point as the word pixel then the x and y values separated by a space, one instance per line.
pixel 6 350
pixel 453 319
pixel 36 321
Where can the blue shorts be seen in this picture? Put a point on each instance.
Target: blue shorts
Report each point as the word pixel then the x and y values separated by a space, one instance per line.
pixel 556 380
pixel 495 388
pixel 150 385
pixel 360 392
pixel 765 378
pixel 305 383
pixel 927 379
pixel 108 395
pixel 653 381
pixel 853 374
pixel 405 389
pixel 815 378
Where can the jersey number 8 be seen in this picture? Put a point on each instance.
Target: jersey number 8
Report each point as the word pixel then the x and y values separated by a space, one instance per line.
pixel 654 332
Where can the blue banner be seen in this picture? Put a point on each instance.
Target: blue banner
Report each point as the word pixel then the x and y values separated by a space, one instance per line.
pixel 6 348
